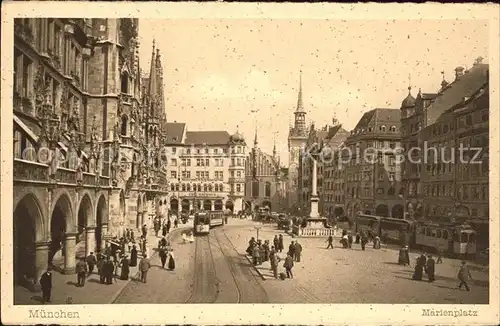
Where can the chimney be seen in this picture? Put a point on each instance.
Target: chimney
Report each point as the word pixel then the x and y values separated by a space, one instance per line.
pixel 459 71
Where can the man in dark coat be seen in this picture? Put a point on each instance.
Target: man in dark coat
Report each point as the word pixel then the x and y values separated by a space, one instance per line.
pixel 81 272
pixel 298 251
pixel 91 261
pixel 169 225
pixel 125 269
pixel 108 270
pixel 133 256
pixel 430 269
pixel 46 284
pixel 100 268
pixel 280 243
pixel 288 266
pixel 350 240
pixel 291 250
pixel 364 240
pixel 330 242
pixel 144 230
pixel 163 256
pixel 276 242
pixel 358 238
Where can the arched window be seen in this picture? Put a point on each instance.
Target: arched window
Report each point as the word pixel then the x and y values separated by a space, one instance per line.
pixel 124 125
pixel 268 189
pixel 205 187
pixel 188 187
pixel 382 128
pixel 124 83
pixel 393 128
pixel 390 192
pixel 210 187
pixel 184 187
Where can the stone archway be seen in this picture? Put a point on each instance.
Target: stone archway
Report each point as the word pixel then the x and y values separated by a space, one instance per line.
pixel 174 205
pixel 382 210
pixel 218 205
pixel 185 205
pixel 28 229
pixel 85 224
pixel 398 211
pixel 101 222
pixel 207 205
pixel 338 212
pixel 62 246
pixel 230 205
pixel 266 203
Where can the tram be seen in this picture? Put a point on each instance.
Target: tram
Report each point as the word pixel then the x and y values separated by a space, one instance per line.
pixel 368 223
pixel 216 218
pixel 395 230
pixel 457 239
pixel 201 223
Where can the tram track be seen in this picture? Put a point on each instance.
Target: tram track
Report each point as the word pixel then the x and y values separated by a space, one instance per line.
pixel 250 290
pixel 206 284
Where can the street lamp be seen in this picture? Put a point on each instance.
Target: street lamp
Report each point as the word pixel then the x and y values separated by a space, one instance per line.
pixel 257 228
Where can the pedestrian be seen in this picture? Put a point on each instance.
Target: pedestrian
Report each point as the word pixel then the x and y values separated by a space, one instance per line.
pixel 127 234
pixel 132 235
pixel 440 256
pixel 330 242
pixel 261 252
pixel 107 250
pixel 464 275
pixel 164 230
pixel 298 251
pixel 46 284
pixel 133 256
pixel 81 272
pixel 125 268
pixel 288 266
pixel 144 266
pixel 280 243
pixel 100 264
pixel 156 226
pixel 350 240
pixel 419 267
pixel 108 270
pixel 255 254
pixel 169 225
pixel 291 250
pixel 358 237
pixel 171 260
pixel 266 250
pixel 91 261
pixel 364 240
pixel 274 262
pixel 376 243
pixel 163 256
pixel 430 268
pixel 344 241
pixel 276 242
pixel 176 223
pixel 144 230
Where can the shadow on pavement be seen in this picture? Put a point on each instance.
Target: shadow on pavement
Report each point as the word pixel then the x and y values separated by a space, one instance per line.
pixel 72 283
pixel 37 298
pixel 94 281
pixel 390 263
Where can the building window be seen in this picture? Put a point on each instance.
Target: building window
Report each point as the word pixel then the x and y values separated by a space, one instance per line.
pixel 382 128
pixel 173 174
pixel 172 187
pixel 393 128
pixel 124 83
pixel 216 151
pixel 173 162
pixel 268 189
pixel 238 187
pixel 380 191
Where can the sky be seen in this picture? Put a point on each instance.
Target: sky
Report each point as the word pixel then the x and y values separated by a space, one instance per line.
pixel 237 74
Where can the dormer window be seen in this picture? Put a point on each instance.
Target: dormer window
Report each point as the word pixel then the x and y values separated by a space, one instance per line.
pixel 382 128
pixel 370 129
pixel 393 128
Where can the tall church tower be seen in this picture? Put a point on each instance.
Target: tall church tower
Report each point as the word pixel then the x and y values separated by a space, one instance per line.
pixel 297 137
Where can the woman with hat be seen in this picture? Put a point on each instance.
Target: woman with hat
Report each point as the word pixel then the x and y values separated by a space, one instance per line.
pixel 125 269
pixel 171 260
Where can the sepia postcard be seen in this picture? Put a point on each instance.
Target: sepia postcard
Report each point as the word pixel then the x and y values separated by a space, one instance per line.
pixel 250 163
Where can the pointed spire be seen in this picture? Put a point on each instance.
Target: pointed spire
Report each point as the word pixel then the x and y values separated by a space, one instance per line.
pixel 409 84
pixel 444 83
pixel 255 139
pixel 300 104
pixel 152 75
pixel 274 146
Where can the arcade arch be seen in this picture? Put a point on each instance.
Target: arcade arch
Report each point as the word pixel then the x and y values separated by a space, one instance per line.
pixel 218 205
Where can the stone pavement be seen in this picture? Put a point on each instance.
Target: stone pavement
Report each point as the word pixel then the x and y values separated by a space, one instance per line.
pixel 372 276
pixel 65 291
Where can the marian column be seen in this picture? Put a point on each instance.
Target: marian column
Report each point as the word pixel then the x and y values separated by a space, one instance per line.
pixel 314 192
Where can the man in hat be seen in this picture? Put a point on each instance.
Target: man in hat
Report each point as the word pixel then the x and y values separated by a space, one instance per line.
pixel 144 266
pixel 430 268
pixel 81 272
pixel 46 284
pixel 91 261
pixel 464 275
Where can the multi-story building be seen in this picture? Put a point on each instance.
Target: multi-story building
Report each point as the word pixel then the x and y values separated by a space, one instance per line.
pixel 266 182
pixel 332 191
pixel 80 117
pixel 412 121
pixel 297 137
pixel 206 169
pixel 454 181
pixel 373 177
pixel 328 138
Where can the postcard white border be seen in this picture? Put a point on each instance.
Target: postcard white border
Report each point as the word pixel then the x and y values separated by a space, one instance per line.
pixel 245 314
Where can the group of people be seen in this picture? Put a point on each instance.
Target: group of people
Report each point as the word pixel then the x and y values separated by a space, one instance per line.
pixel 164 225
pixel 262 252
pixel 424 264
pixel 361 238
pixel 166 252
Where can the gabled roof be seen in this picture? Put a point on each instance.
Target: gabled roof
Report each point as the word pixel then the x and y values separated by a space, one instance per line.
pixel 207 137
pixel 175 131
pixel 465 86
pixel 428 96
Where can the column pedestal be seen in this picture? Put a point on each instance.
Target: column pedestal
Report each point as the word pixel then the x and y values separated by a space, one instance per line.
pixel 89 240
pixel 41 262
pixel 69 253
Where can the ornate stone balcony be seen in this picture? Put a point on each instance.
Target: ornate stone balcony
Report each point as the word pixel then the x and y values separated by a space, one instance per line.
pixel 30 171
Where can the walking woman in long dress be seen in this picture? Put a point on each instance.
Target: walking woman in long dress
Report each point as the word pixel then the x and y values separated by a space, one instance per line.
pixel 171 260
pixel 163 256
